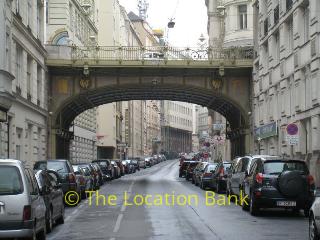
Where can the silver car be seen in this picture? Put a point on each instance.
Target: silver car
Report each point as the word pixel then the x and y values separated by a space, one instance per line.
pixel 22 209
pixel 314 218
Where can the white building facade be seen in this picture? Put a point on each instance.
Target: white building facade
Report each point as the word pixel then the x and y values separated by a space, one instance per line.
pixel 286 79
pixel 24 135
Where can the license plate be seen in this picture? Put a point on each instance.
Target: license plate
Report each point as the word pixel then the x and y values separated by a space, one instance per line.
pixel 286 204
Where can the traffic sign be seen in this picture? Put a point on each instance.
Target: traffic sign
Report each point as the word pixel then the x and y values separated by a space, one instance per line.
pixel 292 129
pixel 293 139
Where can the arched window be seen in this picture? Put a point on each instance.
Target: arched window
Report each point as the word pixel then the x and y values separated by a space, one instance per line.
pixel 61 39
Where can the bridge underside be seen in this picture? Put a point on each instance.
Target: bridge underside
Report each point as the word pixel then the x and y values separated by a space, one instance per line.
pixel 107 85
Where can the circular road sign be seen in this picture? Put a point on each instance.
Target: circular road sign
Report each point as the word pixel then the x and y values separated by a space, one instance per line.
pixel 292 129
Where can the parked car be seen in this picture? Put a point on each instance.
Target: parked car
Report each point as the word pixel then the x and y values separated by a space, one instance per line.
pixel 99 173
pixel 116 169
pixel 142 163
pixel 183 168
pixel 93 174
pixel 22 208
pixel 197 172
pixel 239 168
pixel 219 178
pixel 206 176
pixel 314 218
pixel 121 167
pixel 50 188
pixel 149 161
pixel 88 178
pixel 279 183
pixel 135 162
pixel 64 169
pixel 189 170
pixel 106 168
pixel 81 180
pixel 126 166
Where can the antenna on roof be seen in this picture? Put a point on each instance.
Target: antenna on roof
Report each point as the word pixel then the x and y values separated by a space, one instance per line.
pixel 143 6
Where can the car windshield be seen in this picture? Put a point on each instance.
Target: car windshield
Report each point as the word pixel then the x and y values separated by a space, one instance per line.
pixel 59 167
pixel 10 181
pixel 279 167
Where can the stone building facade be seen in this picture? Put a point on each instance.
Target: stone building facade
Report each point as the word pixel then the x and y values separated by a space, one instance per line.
pixel 286 79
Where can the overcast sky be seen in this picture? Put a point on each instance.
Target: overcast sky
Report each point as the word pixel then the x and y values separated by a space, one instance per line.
pixel 190 18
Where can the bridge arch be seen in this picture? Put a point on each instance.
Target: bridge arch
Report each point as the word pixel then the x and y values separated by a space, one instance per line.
pixel 72 92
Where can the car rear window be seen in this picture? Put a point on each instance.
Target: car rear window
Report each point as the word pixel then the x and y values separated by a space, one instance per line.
pixel 211 167
pixel 227 166
pixel 102 163
pixel 10 181
pixel 281 166
pixel 59 167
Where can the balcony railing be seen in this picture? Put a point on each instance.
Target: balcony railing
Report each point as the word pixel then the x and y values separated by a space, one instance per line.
pixel 159 53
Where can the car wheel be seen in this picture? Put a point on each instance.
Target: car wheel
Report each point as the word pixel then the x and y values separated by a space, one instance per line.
pixel 254 208
pixel 49 221
pixel 306 212
pixel 313 232
pixel 60 220
pixel 83 194
pixel 42 235
pixel 217 188
pixel 34 235
pixel 245 206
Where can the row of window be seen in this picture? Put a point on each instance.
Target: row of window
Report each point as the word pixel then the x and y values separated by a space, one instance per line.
pixel 179 120
pixel 297 96
pixel 179 108
pixel 32 80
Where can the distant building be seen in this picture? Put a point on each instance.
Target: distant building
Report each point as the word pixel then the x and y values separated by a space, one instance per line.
pixel 176 127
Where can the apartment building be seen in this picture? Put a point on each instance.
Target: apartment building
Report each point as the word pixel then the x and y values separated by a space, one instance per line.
pixel 74 22
pixel 23 84
pixel 286 79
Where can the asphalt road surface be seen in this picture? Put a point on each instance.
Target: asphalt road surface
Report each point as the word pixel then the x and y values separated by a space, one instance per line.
pixel 173 221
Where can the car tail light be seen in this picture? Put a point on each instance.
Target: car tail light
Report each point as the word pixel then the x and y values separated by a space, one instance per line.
pixel 221 172
pixel 26 213
pixel 207 174
pixel 258 194
pixel 310 180
pixel 259 178
pixel 72 178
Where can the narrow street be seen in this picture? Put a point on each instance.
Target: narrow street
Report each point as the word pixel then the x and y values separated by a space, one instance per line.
pixel 172 222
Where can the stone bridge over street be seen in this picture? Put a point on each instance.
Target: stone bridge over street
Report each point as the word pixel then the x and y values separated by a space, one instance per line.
pixel 86 77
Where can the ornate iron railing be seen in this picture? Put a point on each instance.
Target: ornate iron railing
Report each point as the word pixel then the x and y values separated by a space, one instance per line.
pixel 159 53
